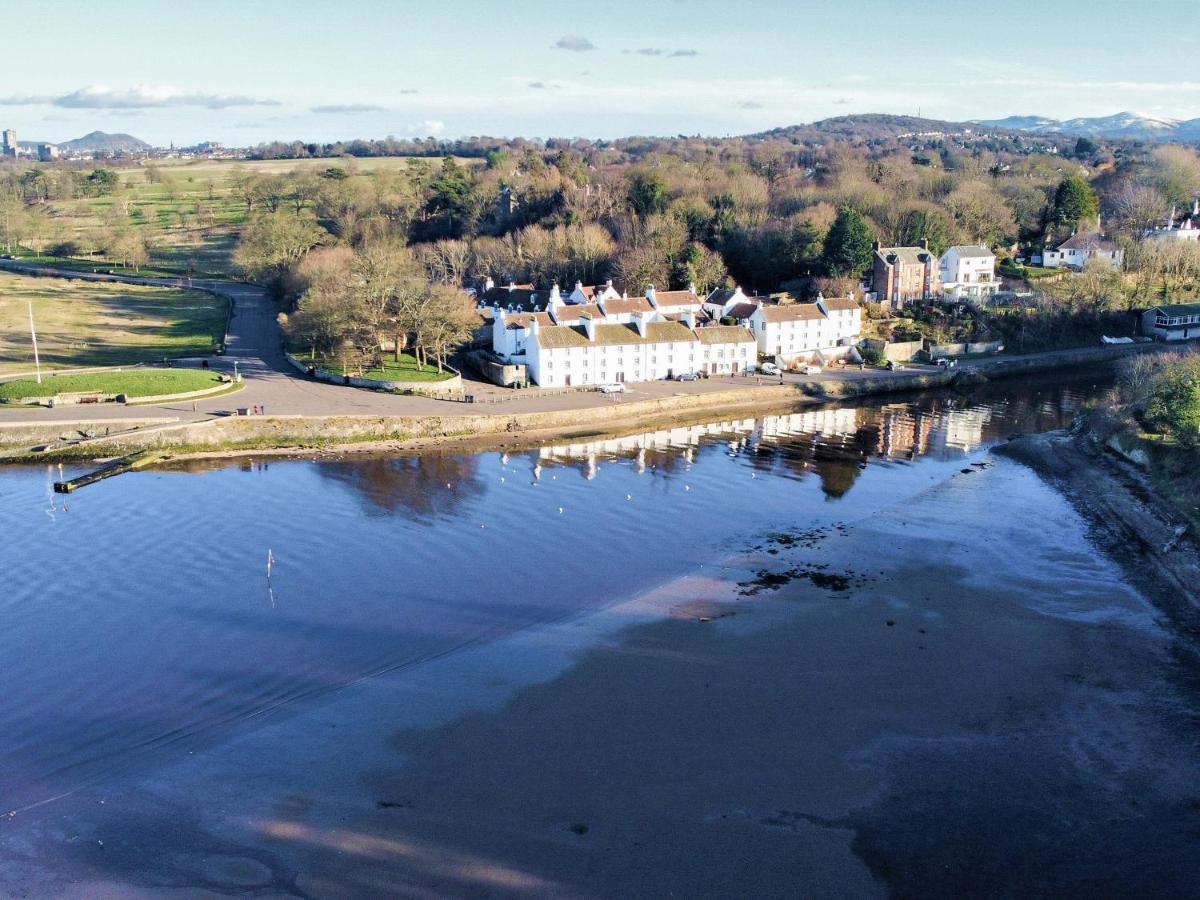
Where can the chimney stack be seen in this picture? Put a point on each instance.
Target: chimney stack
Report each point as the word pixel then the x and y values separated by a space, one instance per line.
pixel 589 326
pixel 651 296
pixel 639 322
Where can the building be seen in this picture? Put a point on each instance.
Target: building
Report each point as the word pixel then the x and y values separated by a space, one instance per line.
pixel 47 152
pixel 1186 230
pixel 1176 322
pixel 9 147
pixel 729 303
pixel 900 275
pixel 806 332
pixel 968 272
pixel 1080 249
pixel 599 350
pixel 583 294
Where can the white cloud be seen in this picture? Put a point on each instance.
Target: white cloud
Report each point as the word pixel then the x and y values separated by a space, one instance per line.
pixel 346 108
pixel 428 128
pixel 141 96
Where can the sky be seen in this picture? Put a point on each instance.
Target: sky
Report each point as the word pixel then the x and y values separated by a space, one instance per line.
pixel 247 71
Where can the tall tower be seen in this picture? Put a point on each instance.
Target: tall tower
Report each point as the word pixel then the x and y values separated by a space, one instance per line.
pixel 10 142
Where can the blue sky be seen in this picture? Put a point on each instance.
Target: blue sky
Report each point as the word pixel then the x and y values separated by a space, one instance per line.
pixel 245 71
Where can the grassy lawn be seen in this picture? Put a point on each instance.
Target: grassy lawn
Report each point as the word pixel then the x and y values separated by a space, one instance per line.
pixel 134 383
pixel 82 324
pixel 390 369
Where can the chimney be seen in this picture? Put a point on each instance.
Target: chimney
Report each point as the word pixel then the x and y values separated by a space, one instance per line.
pixel 923 243
pixel 512 285
pixel 489 284
pixel 692 288
pixel 534 325
pixel 578 287
pixel 689 320
pixel 651 296
pixel 589 326
pixel 555 297
pixel 639 322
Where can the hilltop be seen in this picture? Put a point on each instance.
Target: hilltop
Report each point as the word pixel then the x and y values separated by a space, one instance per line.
pixel 100 141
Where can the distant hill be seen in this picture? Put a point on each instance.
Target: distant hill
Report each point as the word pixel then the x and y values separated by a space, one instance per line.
pixel 98 141
pixel 1126 125
pixel 869 125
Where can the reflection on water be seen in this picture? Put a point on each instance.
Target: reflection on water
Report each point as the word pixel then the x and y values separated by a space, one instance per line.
pixel 139 618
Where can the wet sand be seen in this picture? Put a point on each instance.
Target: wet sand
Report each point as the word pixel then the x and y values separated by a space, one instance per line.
pixel 968 701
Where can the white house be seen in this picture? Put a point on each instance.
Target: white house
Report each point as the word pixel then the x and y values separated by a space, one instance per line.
pixel 1187 230
pixel 968 271
pixel 723 302
pixel 790 332
pixel 1079 249
pixel 672 303
pixel 601 351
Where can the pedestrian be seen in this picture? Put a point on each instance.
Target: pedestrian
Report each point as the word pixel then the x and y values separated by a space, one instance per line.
pixel 262 410
pixel 781 378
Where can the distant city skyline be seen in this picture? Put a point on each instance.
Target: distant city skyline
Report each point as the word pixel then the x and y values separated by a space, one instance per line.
pixel 246 73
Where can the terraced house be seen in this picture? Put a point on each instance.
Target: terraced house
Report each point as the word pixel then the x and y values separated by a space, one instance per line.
pixel 596 350
pixel 808 332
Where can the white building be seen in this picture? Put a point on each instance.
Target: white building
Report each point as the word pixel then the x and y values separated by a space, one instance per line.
pixel 968 272
pixel 600 351
pixel 583 294
pixel 790 332
pixel 1187 230
pixel 1080 249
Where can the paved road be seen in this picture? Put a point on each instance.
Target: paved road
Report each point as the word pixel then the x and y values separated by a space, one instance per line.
pixel 254 344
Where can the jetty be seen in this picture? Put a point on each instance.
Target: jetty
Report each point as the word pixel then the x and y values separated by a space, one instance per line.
pixel 120 466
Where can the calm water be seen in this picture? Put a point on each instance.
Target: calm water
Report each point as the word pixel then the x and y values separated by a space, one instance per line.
pixel 138 620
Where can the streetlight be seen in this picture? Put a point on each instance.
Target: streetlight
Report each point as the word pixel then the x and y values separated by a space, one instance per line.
pixel 37 363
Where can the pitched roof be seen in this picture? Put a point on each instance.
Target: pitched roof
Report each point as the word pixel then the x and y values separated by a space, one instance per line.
pixel 965 251
pixel 626 305
pixel 721 295
pixel 839 303
pixel 741 310
pixel 558 336
pixel 1179 309
pixel 1092 241
pixel 521 298
pixel 724 334
pixel 908 256
pixel 675 298
pixel 522 320
pixel 792 312
pixel 573 312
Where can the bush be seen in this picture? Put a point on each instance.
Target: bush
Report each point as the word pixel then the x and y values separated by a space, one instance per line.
pixel 872 356
pixel 1173 407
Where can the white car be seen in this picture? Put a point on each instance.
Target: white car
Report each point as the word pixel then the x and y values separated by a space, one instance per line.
pixel 769 368
pixel 614 388
pixel 811 370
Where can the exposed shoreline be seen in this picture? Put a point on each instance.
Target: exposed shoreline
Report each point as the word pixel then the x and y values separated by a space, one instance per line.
pixel 229 437
pixel 1129 519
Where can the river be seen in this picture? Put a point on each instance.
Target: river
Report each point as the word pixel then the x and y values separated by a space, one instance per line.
pixel 178 717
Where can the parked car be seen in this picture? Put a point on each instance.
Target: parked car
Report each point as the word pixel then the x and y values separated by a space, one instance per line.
pixel 769 368
pixel 687 376
pixel 894 366
pixel 944 363
pixel 811 370
pixel 614 388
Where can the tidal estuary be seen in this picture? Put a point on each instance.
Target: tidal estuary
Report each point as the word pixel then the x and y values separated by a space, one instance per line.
pixel 843 652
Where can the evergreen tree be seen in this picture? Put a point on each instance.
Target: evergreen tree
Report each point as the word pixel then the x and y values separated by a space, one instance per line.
pixel 848 244
pixel 1075 203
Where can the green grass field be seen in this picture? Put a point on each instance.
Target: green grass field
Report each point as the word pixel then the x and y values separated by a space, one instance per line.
pixel 134 383
pixel 404 369
pixel 191 213
pixel 83 324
